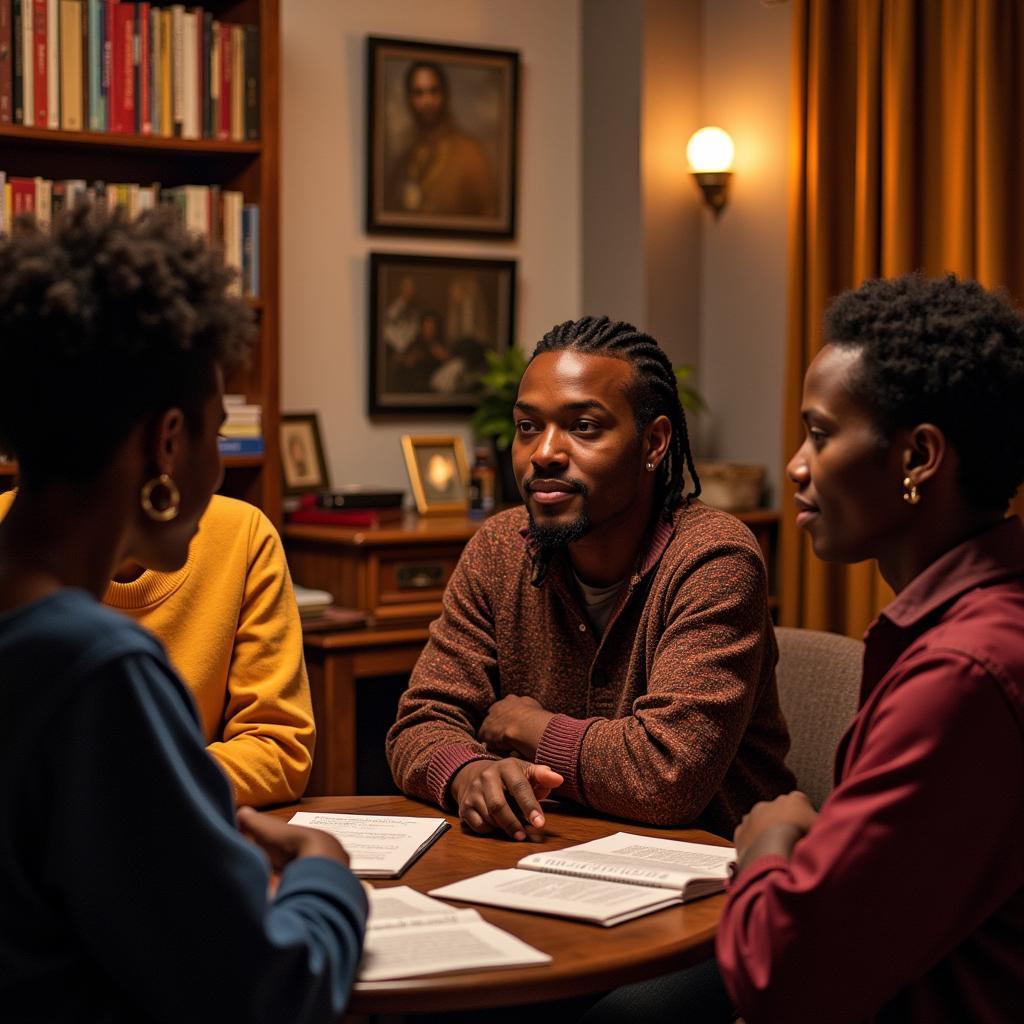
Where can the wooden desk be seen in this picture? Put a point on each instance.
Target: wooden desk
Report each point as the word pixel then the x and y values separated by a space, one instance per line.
pixel 586 958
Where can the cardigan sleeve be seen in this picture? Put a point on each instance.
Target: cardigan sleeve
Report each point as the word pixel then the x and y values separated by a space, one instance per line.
pixel 916 847
pixel 266 740
pixel 665 761
pixel 451 687
pixel 165 896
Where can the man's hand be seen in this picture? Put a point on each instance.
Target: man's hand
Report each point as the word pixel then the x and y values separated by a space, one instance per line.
pixel 773 826
pixel 501 795
pixel 514 724
pixel 284 843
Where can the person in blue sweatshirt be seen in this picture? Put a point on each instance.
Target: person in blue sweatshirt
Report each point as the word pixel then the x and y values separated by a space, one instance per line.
pixel 127 893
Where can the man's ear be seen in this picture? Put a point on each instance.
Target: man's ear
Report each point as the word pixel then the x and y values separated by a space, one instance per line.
pixel 657 438
pixel 925 452
pixel 167 436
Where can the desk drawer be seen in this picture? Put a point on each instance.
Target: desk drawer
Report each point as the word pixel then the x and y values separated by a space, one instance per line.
pixel 410 582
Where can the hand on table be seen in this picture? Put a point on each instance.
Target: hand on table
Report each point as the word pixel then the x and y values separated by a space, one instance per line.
pixel 773 826
pixel 516 724
pixel 283 843
pixel 501 795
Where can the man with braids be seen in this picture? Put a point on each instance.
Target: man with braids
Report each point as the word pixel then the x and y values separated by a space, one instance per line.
pixel 611 639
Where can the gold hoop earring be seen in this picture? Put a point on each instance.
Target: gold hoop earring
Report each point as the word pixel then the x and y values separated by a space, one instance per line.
pixel 168 506
pixel 910 492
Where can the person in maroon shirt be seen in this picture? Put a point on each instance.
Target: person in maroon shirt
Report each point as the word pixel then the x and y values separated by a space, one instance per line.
pixel 904 898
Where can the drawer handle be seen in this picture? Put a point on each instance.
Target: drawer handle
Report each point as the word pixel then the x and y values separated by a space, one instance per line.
pixel 419 577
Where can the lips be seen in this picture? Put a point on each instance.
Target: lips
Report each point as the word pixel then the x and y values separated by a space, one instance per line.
pixel 552 492
pixel 806 511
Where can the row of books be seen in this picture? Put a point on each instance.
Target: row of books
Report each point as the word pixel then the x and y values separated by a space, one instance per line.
pixel 112 66
pixel 241 433
pixel 221 216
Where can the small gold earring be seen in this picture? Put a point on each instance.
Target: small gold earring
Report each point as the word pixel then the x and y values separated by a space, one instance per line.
pixel 910 494
pixel 649 467
pixel 167 509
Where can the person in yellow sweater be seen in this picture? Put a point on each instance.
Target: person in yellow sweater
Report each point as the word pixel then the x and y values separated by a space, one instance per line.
pixel 231 628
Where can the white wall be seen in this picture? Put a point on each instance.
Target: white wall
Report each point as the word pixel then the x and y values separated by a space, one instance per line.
pixel 744 255
pixel 324 248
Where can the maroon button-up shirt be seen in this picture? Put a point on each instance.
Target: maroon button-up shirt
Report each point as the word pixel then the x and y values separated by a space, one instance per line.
pixel 905 901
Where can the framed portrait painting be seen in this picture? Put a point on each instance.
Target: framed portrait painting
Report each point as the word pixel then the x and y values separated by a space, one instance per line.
pixel 438 473
pixel 441 139
pixel 432 321
pixel 303 465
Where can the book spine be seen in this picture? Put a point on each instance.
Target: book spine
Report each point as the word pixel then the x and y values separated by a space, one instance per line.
pixel 241 445
pixel 83 49
pixel 189 74
pixel 237 83
pixel 43 202
pixel 252 83
pixel 251 249
pixel 207 93
pixel 95 20
pixel 144 109
pixel 40 72
pixel 166 74
pixel 178 66
pixel 200 77
pixel 52 64
pixel 224 125
pixel 154 69
pixel 23 196
pixel 28 78
pixel 6 65
pixel 71 65
pixel 17 64
pixel 107 80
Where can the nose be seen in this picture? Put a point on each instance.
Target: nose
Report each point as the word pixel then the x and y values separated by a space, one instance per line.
pixel 549 451
pixel 797 469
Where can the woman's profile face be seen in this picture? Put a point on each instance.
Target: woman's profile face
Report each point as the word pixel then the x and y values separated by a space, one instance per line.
pixel 849 479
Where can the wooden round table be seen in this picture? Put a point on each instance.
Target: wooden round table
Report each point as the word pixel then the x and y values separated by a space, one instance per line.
pixel 587 958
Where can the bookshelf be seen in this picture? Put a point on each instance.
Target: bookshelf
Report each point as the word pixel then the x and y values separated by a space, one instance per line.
pixel 251 167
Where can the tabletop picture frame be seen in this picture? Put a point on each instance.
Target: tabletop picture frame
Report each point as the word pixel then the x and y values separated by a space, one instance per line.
pixel 441 139
pixel 438 473
pixel 303 465
pixel 432 321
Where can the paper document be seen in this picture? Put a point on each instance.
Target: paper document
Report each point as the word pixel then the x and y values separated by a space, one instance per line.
pixel 409 934
pixel 378 846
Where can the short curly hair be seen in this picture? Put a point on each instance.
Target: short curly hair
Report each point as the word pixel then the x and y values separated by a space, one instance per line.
pixel 104 322
pixel 948 352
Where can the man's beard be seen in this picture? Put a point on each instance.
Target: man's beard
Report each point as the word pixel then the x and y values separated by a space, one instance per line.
pixel 550 538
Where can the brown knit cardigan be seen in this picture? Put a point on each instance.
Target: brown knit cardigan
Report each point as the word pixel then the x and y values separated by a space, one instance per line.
pixel 670 718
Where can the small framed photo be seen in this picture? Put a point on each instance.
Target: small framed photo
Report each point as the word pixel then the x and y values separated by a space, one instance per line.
pixel 438 473
pixel 441 146
pixel 432 321
pixel 302 454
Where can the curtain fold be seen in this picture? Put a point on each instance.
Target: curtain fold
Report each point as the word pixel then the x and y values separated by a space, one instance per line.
pixel 907 155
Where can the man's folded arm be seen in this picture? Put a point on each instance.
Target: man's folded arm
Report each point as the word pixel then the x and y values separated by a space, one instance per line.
pixel 663 763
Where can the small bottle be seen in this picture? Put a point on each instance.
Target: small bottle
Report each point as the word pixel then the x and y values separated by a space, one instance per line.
pixel 481 484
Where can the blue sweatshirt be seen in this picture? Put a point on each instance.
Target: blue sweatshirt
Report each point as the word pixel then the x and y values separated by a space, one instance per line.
pixel 126 894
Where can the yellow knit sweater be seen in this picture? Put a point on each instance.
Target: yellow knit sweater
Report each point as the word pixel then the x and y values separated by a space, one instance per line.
pixel 231 628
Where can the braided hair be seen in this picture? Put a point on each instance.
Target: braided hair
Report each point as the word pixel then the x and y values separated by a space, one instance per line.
pixel 654 392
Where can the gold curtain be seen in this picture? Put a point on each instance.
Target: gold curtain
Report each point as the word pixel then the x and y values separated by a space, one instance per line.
pixel 908 154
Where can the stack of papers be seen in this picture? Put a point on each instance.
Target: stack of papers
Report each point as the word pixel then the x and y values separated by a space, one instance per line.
pixel 311 602
pixel 378 846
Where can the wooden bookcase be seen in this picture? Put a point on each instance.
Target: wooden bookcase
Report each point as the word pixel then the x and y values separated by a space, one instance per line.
pixel 251 167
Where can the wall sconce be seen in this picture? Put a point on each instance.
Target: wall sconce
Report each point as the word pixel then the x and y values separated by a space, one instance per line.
pixel 709 154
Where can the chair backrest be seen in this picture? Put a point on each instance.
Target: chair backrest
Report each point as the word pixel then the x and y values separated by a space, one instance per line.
pixel 819 679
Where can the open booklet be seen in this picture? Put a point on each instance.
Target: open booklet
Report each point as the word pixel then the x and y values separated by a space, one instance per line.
pixel 409 934
pixel 378 845
pixel 606 881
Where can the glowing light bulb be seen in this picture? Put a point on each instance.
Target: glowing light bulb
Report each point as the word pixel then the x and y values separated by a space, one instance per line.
pixel 710 150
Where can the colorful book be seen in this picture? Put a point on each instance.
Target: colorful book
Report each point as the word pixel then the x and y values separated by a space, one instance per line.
pixel 40 71
pixel 6 64
pixel 53 63
pixel 71 65
pixel 143 73
pixel 241 445
pixel 28 60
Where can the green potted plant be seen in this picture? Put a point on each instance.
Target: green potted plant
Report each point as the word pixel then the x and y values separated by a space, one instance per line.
pixel 498 388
